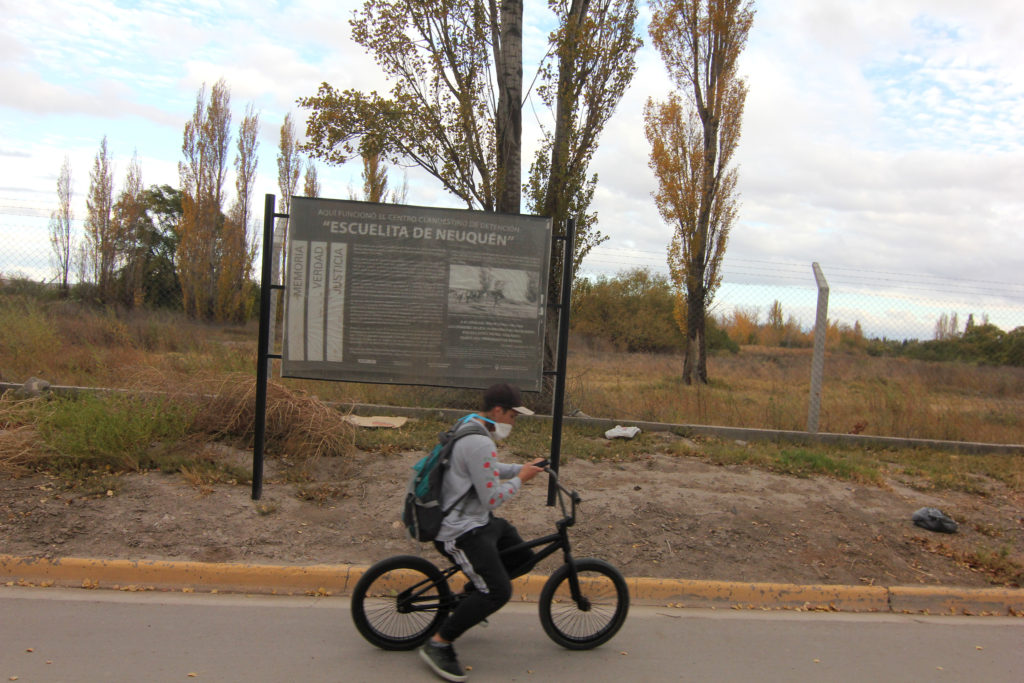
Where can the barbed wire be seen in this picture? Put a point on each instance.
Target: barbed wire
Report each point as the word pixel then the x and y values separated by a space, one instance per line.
pixel 735 267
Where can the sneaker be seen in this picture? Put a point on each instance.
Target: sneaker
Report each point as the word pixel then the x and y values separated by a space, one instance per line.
pixel 441 658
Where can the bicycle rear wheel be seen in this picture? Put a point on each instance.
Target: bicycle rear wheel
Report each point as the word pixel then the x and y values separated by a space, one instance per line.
pixel 598 615
pixel 400 602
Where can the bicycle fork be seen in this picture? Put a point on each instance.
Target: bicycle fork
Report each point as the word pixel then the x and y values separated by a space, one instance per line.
pixel 575 591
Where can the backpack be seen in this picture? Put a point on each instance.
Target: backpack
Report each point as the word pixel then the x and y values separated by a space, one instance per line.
pixel 421 512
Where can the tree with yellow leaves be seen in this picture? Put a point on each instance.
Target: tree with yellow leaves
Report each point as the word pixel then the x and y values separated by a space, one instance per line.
pixel 310 180
pixel 205 147
pixel 129 230
pixel 215 253
pixel 236 291
pixel 693 139
pixel 100 244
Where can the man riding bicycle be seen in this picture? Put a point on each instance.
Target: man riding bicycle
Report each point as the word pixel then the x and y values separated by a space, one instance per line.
pixel 471 536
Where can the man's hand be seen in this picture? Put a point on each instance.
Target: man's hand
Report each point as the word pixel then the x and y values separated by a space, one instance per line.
pixel 529 471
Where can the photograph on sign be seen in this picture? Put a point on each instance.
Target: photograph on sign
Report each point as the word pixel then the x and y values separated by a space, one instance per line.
pixel 414 295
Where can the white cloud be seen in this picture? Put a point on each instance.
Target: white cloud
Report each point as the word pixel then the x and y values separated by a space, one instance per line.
pixel 877 135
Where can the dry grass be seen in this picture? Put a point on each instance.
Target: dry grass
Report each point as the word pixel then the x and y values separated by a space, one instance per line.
pixel 18 439
pixel 75 345
pixel 759 387
pixel 110 431
pixel 769 388
pixel 296 424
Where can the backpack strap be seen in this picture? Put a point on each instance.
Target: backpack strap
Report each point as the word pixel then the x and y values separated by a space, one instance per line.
pixel 457 501
pixel 456 433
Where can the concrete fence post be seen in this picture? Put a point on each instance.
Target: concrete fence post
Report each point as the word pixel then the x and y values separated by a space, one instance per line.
pixel 818 362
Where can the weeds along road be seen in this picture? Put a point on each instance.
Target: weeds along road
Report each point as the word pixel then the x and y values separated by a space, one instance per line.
pixel 92 636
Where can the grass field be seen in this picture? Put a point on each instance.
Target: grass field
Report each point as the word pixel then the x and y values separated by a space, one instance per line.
pixel 759 387
pixel 769 387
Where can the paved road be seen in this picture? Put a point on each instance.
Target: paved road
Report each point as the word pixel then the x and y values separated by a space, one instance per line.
pixel 103 636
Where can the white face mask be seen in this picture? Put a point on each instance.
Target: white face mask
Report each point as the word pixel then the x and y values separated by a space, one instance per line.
pixel 502 430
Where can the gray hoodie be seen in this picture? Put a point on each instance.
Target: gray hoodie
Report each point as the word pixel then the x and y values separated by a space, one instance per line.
pixel 475 465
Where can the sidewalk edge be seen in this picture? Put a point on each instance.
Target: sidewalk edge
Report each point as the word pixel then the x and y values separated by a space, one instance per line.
pixel 340 580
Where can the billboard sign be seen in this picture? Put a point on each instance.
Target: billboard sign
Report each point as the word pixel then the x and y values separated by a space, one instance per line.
pixel 413 295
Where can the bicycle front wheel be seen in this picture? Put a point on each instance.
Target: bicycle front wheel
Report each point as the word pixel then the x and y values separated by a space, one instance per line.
pixel 594 618
pixel 400 602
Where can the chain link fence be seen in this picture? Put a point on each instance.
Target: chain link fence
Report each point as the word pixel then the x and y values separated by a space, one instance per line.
pixel 889 342
pixel 884 305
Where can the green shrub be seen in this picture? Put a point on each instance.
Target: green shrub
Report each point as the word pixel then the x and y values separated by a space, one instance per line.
pixel 112 431
pixel 633 311
pixel 717 338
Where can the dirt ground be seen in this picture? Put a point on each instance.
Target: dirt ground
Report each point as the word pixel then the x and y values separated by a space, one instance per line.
pixel 661 516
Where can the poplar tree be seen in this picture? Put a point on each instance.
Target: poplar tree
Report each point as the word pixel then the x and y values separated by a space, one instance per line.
pixel 130 230
pixel 246 160
pixel 205 146
pixel 60 226
pixel 289 164
pixel 235 299
pixel 100 247
pixel 400 194
pixel 693 136
pixel 310 181
pixel 592 59
pixel 507 48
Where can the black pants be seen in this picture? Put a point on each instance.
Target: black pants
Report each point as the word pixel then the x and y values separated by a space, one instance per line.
pixel 477 553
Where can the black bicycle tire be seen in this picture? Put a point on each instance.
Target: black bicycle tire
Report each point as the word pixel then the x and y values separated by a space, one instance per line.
pixel 596 626
pixel 405 631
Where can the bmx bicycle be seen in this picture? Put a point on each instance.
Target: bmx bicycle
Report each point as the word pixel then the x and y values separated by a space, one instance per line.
pixel 401 601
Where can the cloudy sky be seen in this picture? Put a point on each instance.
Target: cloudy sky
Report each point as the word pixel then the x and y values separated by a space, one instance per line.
pixel 882 139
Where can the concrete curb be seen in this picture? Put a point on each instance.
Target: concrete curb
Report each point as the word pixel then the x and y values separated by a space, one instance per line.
pixel 340 579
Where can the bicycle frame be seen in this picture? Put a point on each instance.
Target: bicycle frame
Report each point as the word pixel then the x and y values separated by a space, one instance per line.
pixel 411 600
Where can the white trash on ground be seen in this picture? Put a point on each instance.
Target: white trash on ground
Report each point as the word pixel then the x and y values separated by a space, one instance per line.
pixel 376 421
pixel 620 432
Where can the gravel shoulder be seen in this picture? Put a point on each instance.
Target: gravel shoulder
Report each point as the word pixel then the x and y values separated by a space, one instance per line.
pixel 658 516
